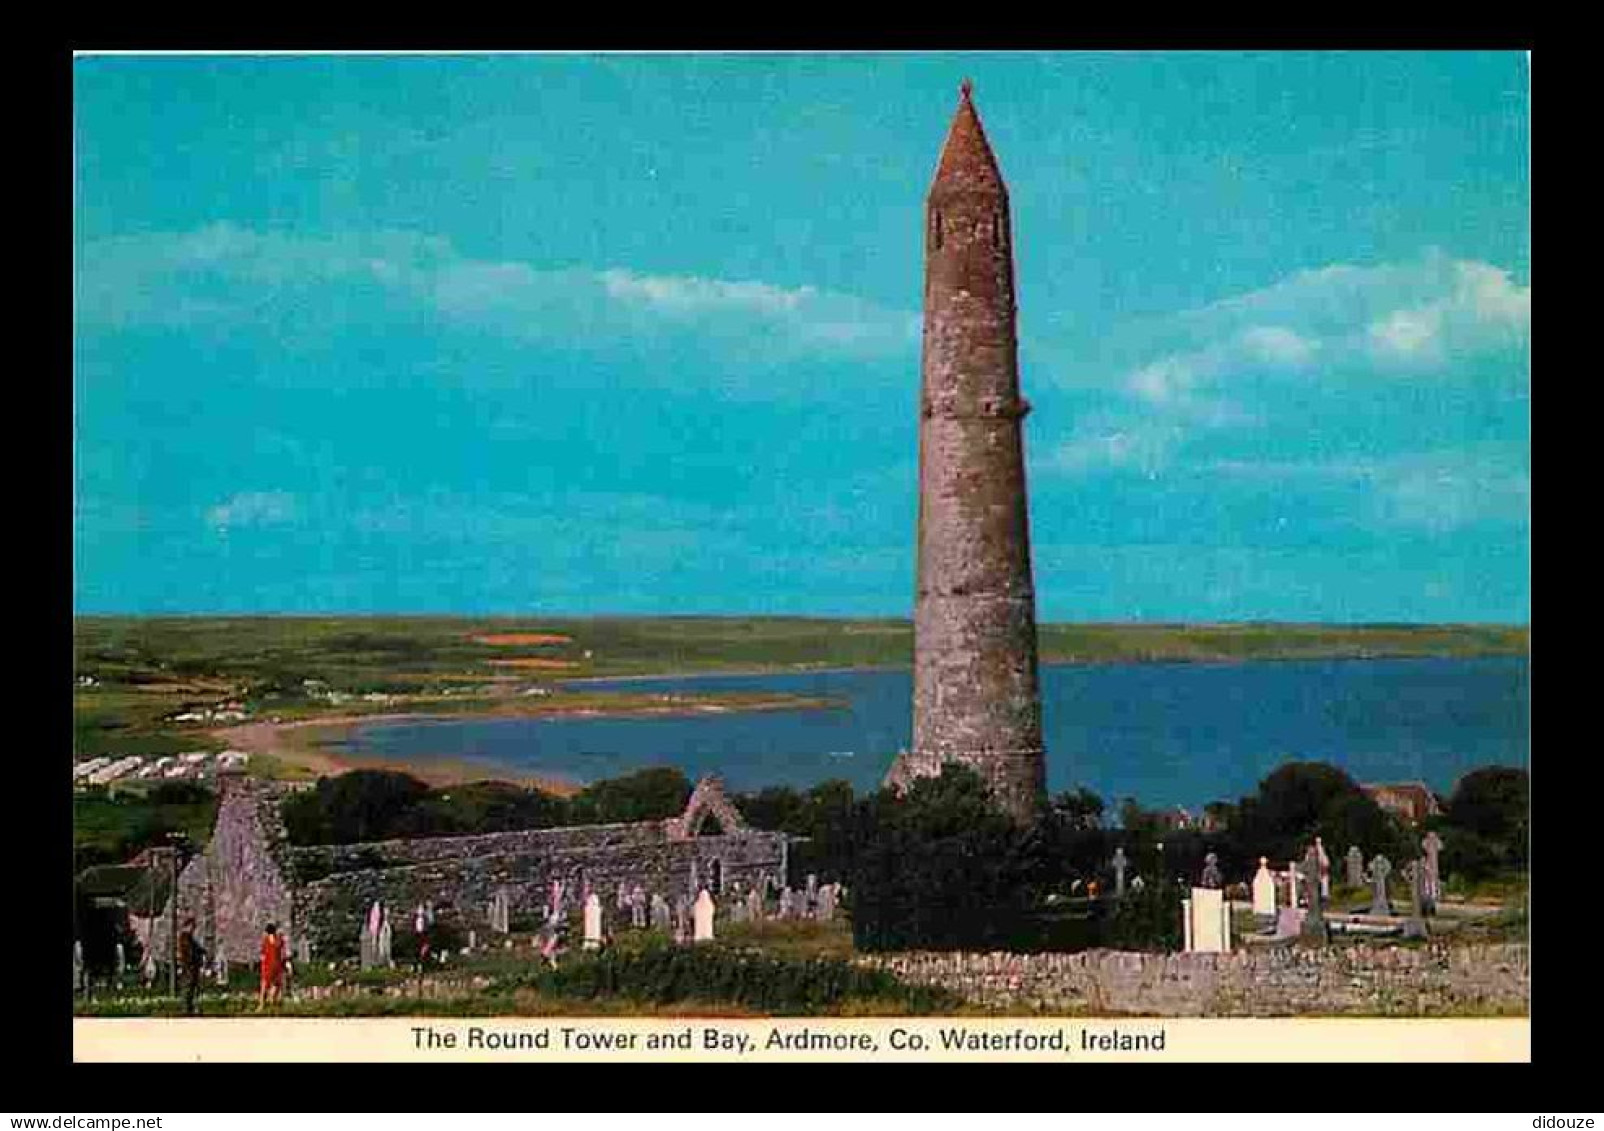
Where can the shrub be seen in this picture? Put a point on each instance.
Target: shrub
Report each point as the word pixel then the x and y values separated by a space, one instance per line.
pixel 663 975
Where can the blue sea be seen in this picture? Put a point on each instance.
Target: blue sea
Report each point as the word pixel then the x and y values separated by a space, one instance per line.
pixel 1165 734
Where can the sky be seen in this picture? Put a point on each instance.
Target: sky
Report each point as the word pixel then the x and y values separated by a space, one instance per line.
pixel 639 333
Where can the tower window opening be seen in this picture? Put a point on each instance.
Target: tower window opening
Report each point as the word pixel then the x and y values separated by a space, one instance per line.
pixel 935 229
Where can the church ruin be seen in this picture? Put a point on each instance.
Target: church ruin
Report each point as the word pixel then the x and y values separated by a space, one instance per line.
pixel 250 874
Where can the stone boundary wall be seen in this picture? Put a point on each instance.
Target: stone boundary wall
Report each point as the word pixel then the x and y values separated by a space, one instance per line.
pixel 1431 980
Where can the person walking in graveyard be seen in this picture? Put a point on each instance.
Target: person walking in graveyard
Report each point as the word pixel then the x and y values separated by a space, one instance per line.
pixel 191 957
pixel 273 961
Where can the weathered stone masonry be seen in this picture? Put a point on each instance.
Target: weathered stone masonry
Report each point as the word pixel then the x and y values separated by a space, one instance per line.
pixel 250 874
pixel 976 694
pixel 1283 981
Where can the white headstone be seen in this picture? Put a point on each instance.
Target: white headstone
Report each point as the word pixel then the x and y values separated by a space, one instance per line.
pixel 1209 929
pixel 382 956
pixel 1264 889
pixel 702 917
pixel 593 921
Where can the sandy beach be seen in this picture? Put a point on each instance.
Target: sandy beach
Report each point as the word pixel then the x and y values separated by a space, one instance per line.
pixel 307 748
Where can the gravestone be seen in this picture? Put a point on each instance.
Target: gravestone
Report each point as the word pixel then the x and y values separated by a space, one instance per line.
pixel 473 942
pixel 826 908
pixel 1356 867
pixel 702 914
pixel 1289 922
pixel 813 884
pixel 785 903
pixel 621 904
pixel 303 950
pixel 662 917
pixel 637 907
pixel 682 917
pixel 754 905
pixel 1292 886
pixel 1380 869
pixel 1325 869
pixel 78 966
pixel 737 910
pixel 593 922
pixel 1314 924
pixel 119 962
pixel 1415 926
pixel 1208 922
pixel 1120 864
pixel 383 957
pixel 1211 872
pixel 1431 880
pixel 1264 890
pixel 554 900
pixel 1137 884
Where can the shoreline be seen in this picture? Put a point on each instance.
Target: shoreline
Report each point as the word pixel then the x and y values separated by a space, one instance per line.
pixel 307 746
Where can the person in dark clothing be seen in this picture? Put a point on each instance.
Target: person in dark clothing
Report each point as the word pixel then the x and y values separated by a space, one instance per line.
pixel 191 958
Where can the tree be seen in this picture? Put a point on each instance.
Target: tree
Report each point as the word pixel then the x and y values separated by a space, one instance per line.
pixel 1299 801
pixel 941 867
pixel 1494 802
pixel 1487 826
pixel 358 806
pixel 647 795
pixel 1081 808
pixel 482 807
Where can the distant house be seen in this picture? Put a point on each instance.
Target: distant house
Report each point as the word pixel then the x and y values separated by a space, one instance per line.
pixel 1411 802
pixel 1177 818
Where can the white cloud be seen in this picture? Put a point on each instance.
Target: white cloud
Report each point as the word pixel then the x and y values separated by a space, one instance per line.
pixel 1436 491
pixel 1442 491
pixel 684 294
pixel 1425 313
pixel 1113 444
pixel 252 508
pixel 223 274
pixel 1409 334
pixel 1277 345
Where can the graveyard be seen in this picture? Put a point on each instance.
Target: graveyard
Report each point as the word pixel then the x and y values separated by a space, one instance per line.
pixel 702 914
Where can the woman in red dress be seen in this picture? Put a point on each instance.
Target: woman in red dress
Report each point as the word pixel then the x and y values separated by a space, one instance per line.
pixel 273 960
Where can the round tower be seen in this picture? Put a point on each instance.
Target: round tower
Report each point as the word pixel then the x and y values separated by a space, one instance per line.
pixel 976 698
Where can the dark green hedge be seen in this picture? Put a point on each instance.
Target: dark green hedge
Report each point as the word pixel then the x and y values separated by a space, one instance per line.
pixel 709 972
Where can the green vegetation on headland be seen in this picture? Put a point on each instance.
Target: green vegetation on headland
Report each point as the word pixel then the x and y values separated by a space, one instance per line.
pixel 376 654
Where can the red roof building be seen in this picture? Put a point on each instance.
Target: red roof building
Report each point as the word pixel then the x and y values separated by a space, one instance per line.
pixel 1411 801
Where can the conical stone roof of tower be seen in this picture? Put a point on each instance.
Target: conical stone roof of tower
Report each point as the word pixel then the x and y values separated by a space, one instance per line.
pixel 967 164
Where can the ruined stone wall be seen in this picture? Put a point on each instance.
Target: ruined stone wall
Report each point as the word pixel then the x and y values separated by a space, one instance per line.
pixel 314 862
pixel 459 872
pixel 243 880
pixel 251 875
pixel 1430 980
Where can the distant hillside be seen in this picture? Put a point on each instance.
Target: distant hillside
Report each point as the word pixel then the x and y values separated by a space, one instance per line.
pixel 396 652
